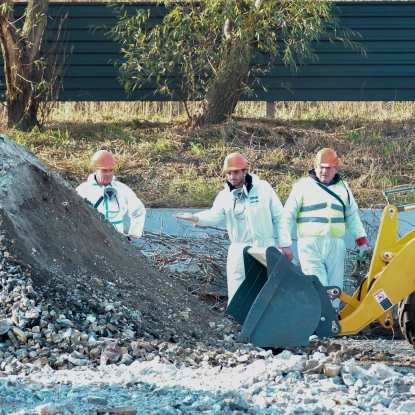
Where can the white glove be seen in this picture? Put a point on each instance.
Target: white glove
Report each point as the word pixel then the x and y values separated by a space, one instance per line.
pixel 363 249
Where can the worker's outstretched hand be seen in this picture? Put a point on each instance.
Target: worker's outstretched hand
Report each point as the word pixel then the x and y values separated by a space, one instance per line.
pixel 186 216
pixel 288 253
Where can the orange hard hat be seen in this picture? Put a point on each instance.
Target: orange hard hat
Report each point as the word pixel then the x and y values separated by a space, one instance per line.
pixel 235 161
pixel 103 159
pixel 326 157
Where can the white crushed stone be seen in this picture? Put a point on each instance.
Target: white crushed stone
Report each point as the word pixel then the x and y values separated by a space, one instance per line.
pixel 272 385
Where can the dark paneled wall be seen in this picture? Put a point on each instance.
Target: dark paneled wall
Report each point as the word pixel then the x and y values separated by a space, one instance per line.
pixel 386 73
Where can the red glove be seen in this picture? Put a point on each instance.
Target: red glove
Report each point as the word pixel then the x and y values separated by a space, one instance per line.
pixel 362 241
pixel 363 245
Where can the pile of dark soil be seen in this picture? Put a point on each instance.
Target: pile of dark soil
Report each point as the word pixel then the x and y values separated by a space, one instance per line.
pixel 57 235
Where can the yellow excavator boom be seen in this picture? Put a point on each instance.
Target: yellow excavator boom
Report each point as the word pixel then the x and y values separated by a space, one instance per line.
pixel 391 277
pixel 278 306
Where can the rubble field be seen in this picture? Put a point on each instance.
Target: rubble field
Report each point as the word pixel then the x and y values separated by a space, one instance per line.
pixel 77 297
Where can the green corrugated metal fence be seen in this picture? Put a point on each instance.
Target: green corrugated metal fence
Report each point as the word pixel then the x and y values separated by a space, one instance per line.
pixel 386 73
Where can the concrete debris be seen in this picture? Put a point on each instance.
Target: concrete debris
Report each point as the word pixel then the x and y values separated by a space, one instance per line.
pixel 94 354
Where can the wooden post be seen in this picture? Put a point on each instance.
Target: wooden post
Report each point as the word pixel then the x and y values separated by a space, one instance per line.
pixel 180 108
pixel 270 109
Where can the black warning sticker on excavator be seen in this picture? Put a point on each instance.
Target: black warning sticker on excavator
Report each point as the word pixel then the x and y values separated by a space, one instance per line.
pixel 383 299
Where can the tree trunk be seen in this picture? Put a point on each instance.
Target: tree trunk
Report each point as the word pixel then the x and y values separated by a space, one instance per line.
pixel 21 103
pixel 20 47
pixel 22 115
pixel 226 88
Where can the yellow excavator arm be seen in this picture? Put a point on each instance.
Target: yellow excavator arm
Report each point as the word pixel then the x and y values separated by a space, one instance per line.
pixel 391 277
pixel 278 306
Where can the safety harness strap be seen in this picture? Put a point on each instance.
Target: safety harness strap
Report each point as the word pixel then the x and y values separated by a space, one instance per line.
pixel 117 222
pixel 334 195
pixel 98 202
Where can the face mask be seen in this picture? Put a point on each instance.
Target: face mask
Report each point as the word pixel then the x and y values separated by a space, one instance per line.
pixel 238 202
pixel 238 194
pixel 110 193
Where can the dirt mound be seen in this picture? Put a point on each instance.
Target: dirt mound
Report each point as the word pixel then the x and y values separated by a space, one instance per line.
pixel 61 238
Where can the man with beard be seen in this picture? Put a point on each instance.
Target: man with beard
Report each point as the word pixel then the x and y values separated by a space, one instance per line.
pixel 253 214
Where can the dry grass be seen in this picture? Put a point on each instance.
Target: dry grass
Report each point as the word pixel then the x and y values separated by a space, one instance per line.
pixel 169 165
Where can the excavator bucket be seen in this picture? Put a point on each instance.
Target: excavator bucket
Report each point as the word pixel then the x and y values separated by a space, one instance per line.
pixel 277 305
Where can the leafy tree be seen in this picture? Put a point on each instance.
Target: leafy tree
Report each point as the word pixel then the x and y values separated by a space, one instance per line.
pixel 209 50
pixel 30 74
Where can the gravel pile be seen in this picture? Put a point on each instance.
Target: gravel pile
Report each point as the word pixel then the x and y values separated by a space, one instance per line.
pixel 257 382
pixel 66 324
pixel 67 348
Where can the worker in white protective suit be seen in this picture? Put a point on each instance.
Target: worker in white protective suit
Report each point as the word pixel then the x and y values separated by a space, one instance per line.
pixel 115 200
pixel 253 214
pixel 322 206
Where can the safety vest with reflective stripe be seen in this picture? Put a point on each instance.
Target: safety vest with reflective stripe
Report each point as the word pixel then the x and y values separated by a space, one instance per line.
pixel 321 212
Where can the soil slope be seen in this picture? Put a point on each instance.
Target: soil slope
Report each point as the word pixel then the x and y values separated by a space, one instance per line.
pixel 63 240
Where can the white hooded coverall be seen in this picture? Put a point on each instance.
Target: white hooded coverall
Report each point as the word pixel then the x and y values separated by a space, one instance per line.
pixel 321 247
pixel 252 221
pixel 115 206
